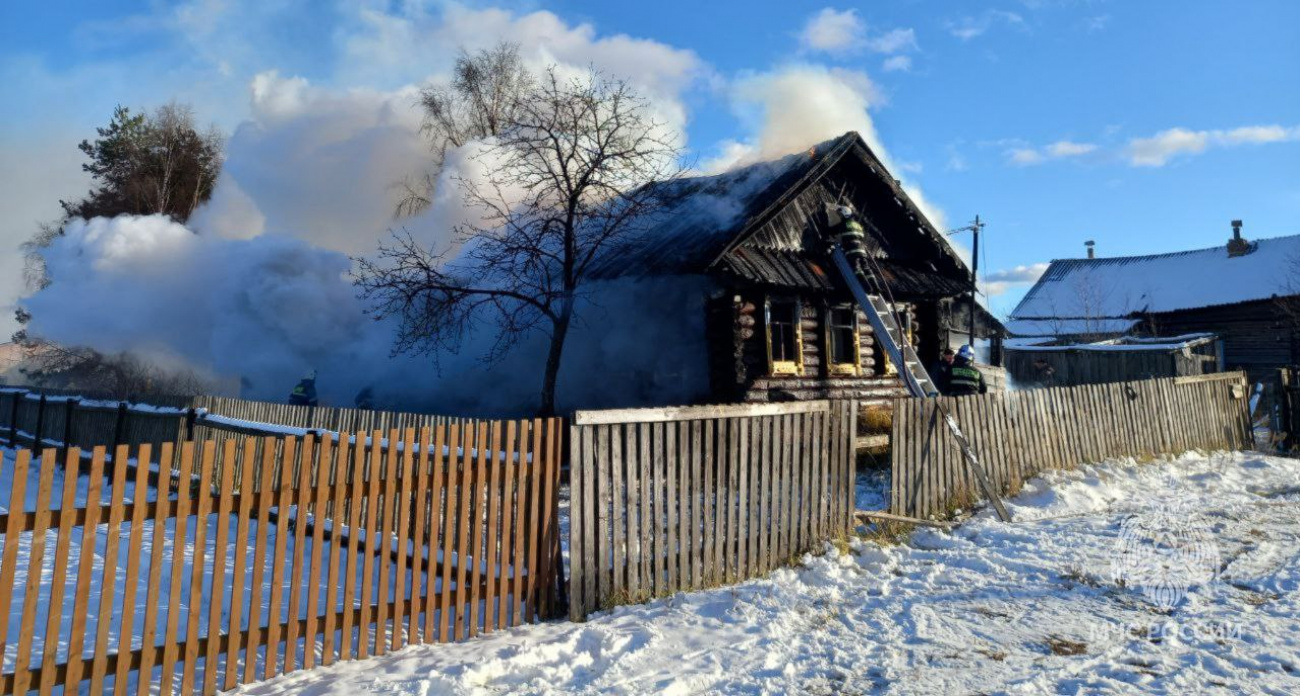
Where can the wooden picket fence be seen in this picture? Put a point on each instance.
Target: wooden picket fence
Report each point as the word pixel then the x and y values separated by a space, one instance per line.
pixel 328 550
pixel 1021 433
pixel 221 415
pixel 62 418
pixel 674 499
pixel 35 419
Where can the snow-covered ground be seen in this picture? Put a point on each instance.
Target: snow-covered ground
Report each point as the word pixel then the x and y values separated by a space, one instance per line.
pixel 1031 607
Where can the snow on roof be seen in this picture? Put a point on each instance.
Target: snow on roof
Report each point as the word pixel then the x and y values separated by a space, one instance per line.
pixel 1069 327
pixel 1122 286
pixel 1126 344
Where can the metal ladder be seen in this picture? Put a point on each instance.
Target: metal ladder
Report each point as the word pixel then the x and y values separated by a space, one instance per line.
pixel 918 381
pixel 888 332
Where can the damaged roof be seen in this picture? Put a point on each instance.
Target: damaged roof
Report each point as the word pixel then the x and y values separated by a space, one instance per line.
pixel 705 222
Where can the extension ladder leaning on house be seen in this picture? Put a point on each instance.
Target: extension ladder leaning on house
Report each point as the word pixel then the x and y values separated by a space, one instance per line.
pixel 862 273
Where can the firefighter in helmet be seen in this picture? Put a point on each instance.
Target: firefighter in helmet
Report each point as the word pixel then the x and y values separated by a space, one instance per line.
pixel 963 377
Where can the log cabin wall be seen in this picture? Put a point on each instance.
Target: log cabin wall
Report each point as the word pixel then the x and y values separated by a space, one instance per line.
pixel 1258 337
pixel 741 364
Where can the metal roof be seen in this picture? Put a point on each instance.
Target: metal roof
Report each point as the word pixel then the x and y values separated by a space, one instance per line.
pixel 1090 289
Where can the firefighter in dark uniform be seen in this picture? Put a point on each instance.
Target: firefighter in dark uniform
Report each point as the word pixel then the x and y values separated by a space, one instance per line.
pixel 304 393
pixel 963 378
pixel 940 373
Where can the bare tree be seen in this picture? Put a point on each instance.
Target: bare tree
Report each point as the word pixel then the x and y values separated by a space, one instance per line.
pixel 1288 300
pixel 481 100
pixel 576 170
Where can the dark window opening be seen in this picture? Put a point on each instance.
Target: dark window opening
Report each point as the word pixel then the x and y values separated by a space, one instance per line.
pixel 783 335
pixel 843 327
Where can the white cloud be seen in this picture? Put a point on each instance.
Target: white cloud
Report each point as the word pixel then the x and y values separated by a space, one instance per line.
pixel 893 41
pixel 897 64
pixel 970 27
pixel 1065 148
pixel 843 32
pixel 999 282
pixel 410 45
pixel 833 31
pixel 1159 149
pixel 1022 155
pixel 1258 135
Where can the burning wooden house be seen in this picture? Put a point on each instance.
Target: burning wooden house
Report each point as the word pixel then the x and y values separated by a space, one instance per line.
pixel 779 321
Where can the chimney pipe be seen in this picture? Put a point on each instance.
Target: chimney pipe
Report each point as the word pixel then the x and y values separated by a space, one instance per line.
pixel 1238 246
pixel 1092 253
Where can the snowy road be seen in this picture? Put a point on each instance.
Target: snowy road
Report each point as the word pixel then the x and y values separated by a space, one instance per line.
pixel 1027 608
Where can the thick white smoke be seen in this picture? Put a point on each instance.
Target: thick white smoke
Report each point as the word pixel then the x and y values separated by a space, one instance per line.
pixel 265 309
pixel 256 289
pixel 796 106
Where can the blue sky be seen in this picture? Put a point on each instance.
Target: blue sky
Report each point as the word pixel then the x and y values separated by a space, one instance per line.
pixel 1146 126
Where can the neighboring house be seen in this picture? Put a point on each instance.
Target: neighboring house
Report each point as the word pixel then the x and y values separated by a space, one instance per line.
pixel 750 248
pixel 1247 293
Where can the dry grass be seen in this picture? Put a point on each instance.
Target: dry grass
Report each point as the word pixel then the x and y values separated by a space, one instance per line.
pixel 875 420
pixel 1065 647
pixel 962 499
pixel 887 532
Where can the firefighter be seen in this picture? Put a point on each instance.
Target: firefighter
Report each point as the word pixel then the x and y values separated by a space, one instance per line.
pixel 963 378
pixel 942 370
pixel 304 393
pixel 852 237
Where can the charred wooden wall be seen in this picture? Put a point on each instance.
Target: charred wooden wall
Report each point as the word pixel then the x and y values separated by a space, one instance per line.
pixel 740 365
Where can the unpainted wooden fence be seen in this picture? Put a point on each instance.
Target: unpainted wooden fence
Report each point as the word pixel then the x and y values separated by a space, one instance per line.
pixel 228 417
pixel 37 419
pixel 1018 434
pixel 48 417
pixel 674 499
pixel 331 550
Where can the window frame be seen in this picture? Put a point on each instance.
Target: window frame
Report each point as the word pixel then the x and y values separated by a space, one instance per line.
pixel 784 367
pixel 853 366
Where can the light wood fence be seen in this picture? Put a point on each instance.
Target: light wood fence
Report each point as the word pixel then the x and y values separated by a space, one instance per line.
pixel 674 499
pixel 1018 434
pixel 330 550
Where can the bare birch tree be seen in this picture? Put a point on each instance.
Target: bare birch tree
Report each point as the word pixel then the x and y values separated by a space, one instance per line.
pixel 574 173
pixel 480 101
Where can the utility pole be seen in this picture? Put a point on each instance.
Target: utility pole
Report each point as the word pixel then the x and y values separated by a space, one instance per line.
pixel 974 276
pixel 974 227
